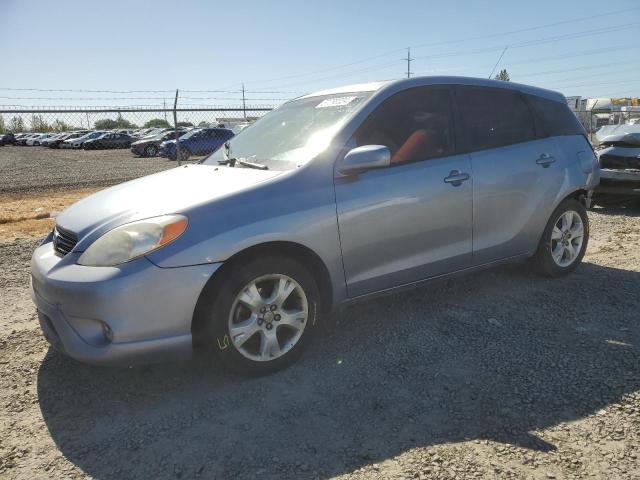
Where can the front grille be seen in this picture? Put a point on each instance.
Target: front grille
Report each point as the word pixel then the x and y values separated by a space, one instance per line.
pixel 619 162
pixel 63 240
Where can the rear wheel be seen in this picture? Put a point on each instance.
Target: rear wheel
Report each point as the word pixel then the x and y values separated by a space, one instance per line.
pixel 262 314
pixel 564 240
pixel 184 154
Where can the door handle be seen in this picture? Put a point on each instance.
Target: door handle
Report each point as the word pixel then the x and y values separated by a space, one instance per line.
pixel 456 178
pixel 545 160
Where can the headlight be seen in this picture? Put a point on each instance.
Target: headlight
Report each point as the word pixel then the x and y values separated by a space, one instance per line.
pixel 132 240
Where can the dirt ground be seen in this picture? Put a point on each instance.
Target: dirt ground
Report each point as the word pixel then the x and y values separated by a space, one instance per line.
pixel 500 374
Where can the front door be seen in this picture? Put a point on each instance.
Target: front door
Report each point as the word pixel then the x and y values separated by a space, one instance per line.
pixel 412 220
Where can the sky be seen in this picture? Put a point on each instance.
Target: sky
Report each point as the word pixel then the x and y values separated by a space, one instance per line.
pixel 281 49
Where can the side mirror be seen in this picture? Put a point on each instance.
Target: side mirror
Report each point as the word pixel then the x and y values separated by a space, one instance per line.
pixel 364 158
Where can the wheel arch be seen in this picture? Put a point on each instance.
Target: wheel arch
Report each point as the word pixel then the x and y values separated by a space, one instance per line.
pixel 299 252
pixel 581 194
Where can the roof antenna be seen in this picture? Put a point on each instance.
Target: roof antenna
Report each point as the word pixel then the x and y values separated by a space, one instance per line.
pixel 496 65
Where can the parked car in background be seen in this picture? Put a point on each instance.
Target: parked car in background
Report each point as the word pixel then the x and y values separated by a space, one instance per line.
pixel 149 146
pixel 36 140
pixel 23 140
pixel 56 142
pixel 47 141
pixel 619 157
pixel 7 139
pixel 332 198
pixel 127 131
pixel 78 142
pixel 197 142
pixel 109 140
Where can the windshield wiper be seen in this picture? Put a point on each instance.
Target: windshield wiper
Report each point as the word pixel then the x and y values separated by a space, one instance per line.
pixel 248 164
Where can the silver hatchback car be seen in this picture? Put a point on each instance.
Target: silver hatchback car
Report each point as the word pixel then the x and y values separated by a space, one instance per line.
pixel 331 198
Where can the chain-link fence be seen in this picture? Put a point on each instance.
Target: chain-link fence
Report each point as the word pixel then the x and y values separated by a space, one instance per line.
pixel 128 131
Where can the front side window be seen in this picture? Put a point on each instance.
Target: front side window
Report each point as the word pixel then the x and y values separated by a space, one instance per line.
pixel 294 133
pixel 415 125
pixel 492 117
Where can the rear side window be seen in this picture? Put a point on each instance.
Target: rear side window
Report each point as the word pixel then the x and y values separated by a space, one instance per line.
pixel 554 118
pixel 492 117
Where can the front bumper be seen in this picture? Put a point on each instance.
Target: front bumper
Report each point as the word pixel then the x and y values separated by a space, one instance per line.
pixel 618 182
pixel 130 314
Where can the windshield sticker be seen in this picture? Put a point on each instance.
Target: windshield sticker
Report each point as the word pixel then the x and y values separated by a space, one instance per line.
pixel 336 102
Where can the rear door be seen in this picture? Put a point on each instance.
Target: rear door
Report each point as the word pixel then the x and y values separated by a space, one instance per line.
pixel 516 176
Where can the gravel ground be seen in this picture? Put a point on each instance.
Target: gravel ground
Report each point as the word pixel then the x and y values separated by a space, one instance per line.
pixel 32 169
pixel 500 374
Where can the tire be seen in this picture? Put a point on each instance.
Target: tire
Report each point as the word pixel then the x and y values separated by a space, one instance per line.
pixel 184 154
pixel 150 151
pixel 251 349
pixel 561 248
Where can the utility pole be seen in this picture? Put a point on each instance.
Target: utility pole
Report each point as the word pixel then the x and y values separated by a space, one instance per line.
pixel 409 59
pixel 244 105
pixel 175 127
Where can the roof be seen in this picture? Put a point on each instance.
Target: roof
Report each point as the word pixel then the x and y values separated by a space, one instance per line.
pixel 358 87
pixel 397 85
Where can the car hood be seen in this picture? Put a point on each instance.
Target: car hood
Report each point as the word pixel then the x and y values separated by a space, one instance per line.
pixel 171 191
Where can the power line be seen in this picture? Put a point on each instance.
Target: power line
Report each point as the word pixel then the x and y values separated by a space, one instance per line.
pixel 564 70
pixel 528 29
pixel 530 43
pixel 581 53
pixel 433 44
pixel 72 90
pixel 610 73
pixel 599 84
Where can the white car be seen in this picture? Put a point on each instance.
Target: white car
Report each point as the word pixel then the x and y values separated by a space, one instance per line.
pixel 35 141
pixel 77 142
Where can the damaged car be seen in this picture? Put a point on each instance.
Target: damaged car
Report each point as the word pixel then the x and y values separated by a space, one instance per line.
pixel 619 157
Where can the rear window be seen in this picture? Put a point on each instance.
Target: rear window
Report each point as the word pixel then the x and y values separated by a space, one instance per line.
pixel 492 117
pixel 554 118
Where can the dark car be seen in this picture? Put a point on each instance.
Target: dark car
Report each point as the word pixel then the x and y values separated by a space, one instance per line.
pixel 109 140
pixel 200 141
pixel 7 139
pixel 150 146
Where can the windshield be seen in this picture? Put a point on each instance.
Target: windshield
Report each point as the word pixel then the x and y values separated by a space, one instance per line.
pixel 293 134
pixel 191 133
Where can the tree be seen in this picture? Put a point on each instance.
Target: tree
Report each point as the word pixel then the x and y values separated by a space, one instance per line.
pixel 61 126
pixel 38 124
pixel 185 124
pixel 503 75
pixel 15 125
pixel 157 123
pixel 2 126
pixel 109 124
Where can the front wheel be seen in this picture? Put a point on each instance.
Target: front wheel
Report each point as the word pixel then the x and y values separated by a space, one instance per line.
pixel 262 314
pixel 564 240
pixel 150 151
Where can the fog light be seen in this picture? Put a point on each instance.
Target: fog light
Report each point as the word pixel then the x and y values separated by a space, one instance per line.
pixel 108 333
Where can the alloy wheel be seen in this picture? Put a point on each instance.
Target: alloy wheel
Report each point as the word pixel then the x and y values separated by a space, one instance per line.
pixel 566 238
pixel 268 317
